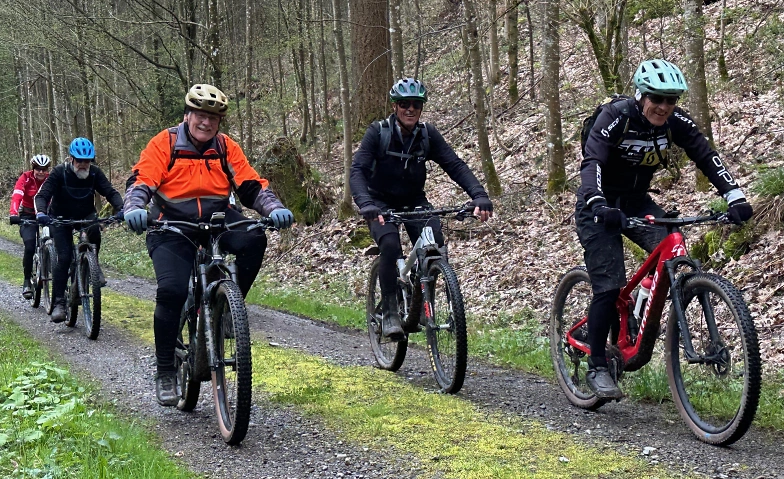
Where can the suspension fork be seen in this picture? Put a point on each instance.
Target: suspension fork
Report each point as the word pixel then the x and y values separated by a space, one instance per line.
pixel 676 290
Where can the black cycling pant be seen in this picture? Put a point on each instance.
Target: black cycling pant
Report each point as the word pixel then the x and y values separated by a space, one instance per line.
pixel 64 245
pixel 29 234
pixel 604 259
pixel 173 257
pixel 387 237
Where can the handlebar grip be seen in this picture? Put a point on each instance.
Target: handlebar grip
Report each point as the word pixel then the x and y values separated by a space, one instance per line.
pixel 15 220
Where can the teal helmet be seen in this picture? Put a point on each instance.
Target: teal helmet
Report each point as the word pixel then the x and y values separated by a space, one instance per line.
pixel 408 89
pixel 659 77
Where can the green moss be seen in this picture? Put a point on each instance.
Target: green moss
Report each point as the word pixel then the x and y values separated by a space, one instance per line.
pixel 358 239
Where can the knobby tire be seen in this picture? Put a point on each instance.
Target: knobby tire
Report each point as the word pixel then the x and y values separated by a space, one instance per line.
pixel 570 305
pixel 231 379
pixel 90 294
pixel 37 283
pixel 48 257
pixel 718 397
pixel 188 385
pixel 389 354
pixel 446 328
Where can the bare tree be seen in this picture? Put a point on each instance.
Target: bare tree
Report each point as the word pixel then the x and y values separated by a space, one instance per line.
pixel 248 78
pixel 346 208
pixel 396 39
pixel 495 70
pixel 551 59
pixel 512 40
pixel 475 58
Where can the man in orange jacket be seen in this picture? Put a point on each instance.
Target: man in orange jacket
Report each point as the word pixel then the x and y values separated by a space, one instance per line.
pixel 189 172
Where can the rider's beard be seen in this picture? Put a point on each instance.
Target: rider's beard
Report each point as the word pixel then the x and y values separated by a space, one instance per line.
pixel 81 174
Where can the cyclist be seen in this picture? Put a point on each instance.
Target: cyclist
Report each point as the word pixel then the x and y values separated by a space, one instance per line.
pixel 625 147
pixel 23 207
pixel 189 172
pixel 68 194
pixel 391 173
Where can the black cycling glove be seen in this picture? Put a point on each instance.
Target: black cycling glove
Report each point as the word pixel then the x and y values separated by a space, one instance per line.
pixel 483 203
pixel 370 212
pixel 613 218
pixel 740 211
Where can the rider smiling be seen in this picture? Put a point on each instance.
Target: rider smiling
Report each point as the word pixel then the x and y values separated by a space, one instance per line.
pixel 396 180
pixel 624 149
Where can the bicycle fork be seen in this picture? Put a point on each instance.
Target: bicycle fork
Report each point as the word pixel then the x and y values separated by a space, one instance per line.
pixel 693 357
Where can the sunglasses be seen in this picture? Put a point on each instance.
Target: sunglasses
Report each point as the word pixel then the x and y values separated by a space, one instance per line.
pixel 406 104
pixel 658 99
pixel 83 160
pixel 41 168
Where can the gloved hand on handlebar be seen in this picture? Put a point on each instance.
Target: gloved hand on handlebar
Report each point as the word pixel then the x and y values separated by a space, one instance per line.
pixel 740 211
pixel 282 218
pixel 43 219
pixel 120 215
pixel 136 220
pixel 14 219
pixel 483 207
pixel 370 212
pixel 613 218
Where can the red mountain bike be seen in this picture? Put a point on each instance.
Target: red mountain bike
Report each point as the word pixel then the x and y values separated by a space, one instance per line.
pixel 711 350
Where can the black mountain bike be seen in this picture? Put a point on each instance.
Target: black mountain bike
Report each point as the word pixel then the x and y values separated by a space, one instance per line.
pixel 429 299
pixel 43 264
pixel 84 277
pixel 214 339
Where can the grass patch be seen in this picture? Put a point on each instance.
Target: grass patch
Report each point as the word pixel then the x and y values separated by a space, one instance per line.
pixel 50 427
pixel 377 408
pixel 520 342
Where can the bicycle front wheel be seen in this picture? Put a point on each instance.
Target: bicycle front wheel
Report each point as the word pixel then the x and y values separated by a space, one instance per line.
pixel 570 305
pixel 48 257
pixel 185 354
pixel 89 289
pixel 389 354
pixel 35 300
pixel 231 378
pixel 446 328
pixel 717 391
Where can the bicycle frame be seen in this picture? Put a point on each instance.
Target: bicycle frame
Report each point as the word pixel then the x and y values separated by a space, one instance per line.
pixel 662 264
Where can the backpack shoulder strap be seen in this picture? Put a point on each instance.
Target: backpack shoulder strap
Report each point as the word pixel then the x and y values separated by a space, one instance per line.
pixel 172 141
pixel 425 140
pixel 225 160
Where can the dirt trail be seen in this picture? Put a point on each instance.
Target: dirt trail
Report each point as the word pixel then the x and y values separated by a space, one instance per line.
pixel 281 443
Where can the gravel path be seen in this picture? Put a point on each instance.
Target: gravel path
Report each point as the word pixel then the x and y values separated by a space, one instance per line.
pixel 283 444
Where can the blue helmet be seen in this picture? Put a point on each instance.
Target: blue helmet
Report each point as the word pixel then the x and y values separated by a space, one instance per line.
pixel 82 148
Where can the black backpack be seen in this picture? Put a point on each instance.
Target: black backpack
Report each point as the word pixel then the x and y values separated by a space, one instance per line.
pixel 385 132
pixel 589 122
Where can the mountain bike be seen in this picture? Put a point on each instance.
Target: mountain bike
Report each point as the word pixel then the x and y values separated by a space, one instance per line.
pixel 85 278
pixel 214 340
pixel 43 264
pixel 711 349
pixel 429 298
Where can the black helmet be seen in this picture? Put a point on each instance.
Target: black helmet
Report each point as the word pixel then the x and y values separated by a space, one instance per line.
pixel 408 88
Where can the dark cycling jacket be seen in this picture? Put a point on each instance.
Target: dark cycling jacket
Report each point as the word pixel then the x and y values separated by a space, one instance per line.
pixel 398 181
pixel 621 164
pixel 66 196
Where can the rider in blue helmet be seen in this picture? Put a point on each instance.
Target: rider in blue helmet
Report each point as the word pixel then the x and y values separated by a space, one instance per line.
pixel 69 194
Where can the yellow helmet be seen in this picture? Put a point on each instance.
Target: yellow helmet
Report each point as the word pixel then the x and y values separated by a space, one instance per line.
pixel 207 98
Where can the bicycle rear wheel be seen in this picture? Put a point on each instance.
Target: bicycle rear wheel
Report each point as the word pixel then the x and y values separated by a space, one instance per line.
pixel 48 257
pixel 185 354
pixel 389 354
pixel 89 289
pixel 231 379
pixel 570 305
pixel 446 328
pixel 717 395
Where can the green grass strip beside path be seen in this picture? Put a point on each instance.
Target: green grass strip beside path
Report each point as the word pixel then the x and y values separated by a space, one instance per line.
pixel 447 436
pixel 51 427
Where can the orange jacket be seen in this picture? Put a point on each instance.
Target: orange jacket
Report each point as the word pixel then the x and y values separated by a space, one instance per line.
pixel 185 184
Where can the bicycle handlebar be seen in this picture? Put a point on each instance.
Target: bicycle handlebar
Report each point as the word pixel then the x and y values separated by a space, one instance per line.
pixel 462 211
pixel 634 222
pixel 206 225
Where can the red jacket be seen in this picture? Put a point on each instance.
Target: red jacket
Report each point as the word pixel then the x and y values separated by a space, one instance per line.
pixel 24 192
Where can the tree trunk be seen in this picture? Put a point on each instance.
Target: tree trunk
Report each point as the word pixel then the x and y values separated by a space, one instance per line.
pixel 52 111
pixel 531 56
pixel 694 30
pixel 419 38
pixel 346 208
pixel 58 153
pixel 396 38
pixel 248 78
pixel 215 49
pixel 21 109
pixel 472 35
pixel 495 69
pixel 370 64
pixel 723 73
pixel 512 38
pixel 551 53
